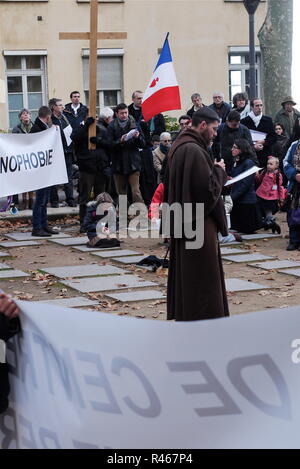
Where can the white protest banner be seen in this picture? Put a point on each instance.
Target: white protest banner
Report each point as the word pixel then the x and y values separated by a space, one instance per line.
pixel 83 379
pixel 31 161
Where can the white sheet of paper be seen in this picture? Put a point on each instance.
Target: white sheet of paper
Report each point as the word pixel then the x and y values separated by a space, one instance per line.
pixel 67 131
pixel 256 135
pixel 2 351
pixel 130 134
pixel 243 175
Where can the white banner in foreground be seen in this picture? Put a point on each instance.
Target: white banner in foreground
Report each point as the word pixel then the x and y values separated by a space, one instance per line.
pixel 82 379
pixel 31 161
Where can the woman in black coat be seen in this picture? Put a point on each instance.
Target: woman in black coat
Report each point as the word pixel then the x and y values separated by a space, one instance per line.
pixel 245 215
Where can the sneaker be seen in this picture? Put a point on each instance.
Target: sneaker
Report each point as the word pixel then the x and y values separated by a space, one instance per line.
pixel 292 247
pixel 40 233
pixel 49 230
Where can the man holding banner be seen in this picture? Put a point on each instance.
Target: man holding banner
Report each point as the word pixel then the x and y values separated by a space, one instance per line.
pixel 39 213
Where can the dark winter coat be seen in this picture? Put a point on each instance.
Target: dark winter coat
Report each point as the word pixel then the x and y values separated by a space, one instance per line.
pixel 18 129
pixel 91 161
pixel 222 111
pixel 196 288
pixel 159 121
pixel 192 111
pixel 75 120
pixel 62 123
pixel 126 157
pixel 266 126
pixel 243 192
pixel 225 139
pixel 38 126
pixel 7 330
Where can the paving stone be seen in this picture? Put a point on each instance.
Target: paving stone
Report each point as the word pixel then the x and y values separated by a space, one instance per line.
pixel 236 284
pixel 276 265
pixel 137 295
pixel 116 282
pixel 247 258
pixel 4 266
pixel 70 241
pixel 129 260
pixel 90 270
pixel 293 272
pixel 233 243
pixel 86 249
pixel 260 236
pixel 12 274
pixel 228 251
pixel 4 254
pixel 18 244
pixel 116 253
pixel 27 236
pixel 76 302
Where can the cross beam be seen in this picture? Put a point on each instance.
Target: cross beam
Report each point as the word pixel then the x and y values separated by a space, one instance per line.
pixel 93 36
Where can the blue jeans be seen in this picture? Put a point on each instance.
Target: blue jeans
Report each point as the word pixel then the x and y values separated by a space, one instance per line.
pixel 39 211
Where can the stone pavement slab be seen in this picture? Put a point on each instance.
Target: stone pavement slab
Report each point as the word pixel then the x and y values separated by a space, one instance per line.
pixel 116 253
pixel 90 270
pixel 70 241
pixel 247 258
pixel 76 302
pixel 86 249
pixel 285 264
pixel 12 274
pixel 233 243
pixel 19 244
pixel 129 259
pixel 137 296
pixel 4 266
pixel 4 254
pixel 260 236
pixel 116 282
pixel 236 284
pixel 231 251
pixel 293 272
pixel 28 237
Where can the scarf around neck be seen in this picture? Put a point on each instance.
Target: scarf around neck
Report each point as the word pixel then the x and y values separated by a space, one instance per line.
pixel 256 119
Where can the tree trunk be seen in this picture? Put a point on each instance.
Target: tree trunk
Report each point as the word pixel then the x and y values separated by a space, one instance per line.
pixel 276 38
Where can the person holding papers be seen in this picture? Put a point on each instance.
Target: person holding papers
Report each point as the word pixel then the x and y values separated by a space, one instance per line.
pixel 245 217
pixel 262 130
pixel 59 119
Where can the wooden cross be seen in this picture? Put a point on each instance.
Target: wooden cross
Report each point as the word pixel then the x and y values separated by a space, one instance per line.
pixel 93 36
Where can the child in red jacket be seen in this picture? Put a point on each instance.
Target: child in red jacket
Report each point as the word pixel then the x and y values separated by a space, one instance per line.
pixel 270 193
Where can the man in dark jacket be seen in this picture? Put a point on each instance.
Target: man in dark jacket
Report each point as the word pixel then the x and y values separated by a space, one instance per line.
pixel 92 164
pixel 196 287
pixel 75 111
pixel 9 326
pixel 155 126
pixel 219 106
pixel 59 119
pixel 258 122
pixel 197 104
pixel 39 211
pixel 227 134
pixel 125 150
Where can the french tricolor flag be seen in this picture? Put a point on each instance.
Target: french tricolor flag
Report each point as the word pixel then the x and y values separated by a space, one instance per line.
pixel 162 93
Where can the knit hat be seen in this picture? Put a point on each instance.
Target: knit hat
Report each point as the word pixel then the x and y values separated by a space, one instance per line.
pixel 288 99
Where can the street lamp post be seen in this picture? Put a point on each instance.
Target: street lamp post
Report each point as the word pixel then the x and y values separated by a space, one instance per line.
pixel 251 6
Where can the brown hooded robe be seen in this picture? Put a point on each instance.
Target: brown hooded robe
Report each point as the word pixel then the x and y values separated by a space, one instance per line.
pixel 196 287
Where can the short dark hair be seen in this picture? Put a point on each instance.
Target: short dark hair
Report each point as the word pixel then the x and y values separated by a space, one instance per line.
pixel 281 125
pixel 155 138
pixel 246 149
pixel 73 92
pixel 44 111
pixel 206 114
pixel 252 101
pixel 120 107
pixel 185 117
pixel 234 116
pixel 240 97
pixel 53 102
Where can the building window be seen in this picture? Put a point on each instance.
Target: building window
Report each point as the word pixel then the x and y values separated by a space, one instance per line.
pixel 109 80
pixel 26 85
pixel 239 73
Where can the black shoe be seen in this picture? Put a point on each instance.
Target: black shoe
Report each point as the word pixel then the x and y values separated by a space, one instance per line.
pixel 40 233
pixel 49 230
pixel 276 228
pixel 72 203
pixel 292 247
pixel 82 229
pixel 55 205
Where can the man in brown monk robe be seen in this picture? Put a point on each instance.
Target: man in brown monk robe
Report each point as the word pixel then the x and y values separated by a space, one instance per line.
pixel 196 287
